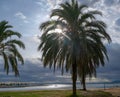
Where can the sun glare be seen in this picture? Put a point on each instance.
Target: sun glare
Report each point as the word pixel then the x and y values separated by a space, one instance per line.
pixel 55 31
pixel 58 30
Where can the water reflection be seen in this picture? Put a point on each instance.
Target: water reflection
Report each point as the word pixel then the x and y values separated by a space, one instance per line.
pixel 44 87
pixel 59 87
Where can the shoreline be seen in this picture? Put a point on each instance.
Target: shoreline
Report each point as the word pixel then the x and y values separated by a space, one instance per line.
pixel 50 87
pixel 33 84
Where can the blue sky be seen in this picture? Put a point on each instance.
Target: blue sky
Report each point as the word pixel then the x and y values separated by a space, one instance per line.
pixel 27 15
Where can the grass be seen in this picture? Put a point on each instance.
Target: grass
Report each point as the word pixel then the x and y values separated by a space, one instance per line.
pixel 55 93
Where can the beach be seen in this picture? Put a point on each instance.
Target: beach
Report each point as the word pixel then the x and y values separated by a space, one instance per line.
pixel 114 91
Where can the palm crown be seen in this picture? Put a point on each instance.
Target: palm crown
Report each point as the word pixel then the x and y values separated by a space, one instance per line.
pixel 9 47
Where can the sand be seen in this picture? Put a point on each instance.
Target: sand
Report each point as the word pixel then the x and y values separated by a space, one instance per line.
pixel 114 91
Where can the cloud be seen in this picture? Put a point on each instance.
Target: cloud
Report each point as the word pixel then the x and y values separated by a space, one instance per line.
pixel 42 3
pixel 21 16
pixel 54 3
pixel 88 2
pixel 110 16
pixel 36 39
pixel 43 6
pixel 97 80
pixel 117 22
pixel 34 71
pixel 31 44
pixel 39 3
pixel 111 70
pixel 109 2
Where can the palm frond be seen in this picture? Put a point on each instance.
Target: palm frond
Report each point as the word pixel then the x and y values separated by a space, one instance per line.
pixel 8 47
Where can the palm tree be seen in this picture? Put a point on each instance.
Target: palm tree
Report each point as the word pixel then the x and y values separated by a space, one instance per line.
pixel 93 51
pixel 9 47
pixel 73 40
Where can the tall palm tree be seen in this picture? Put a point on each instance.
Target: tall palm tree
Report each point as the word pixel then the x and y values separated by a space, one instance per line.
pixel 9 47
pixel 93 51
pixel 73 41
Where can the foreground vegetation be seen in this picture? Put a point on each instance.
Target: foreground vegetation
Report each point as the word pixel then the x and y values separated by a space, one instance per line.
pixel 55 93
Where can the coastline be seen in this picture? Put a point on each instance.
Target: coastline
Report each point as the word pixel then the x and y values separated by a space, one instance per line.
pixel 32 84
pixel 37 87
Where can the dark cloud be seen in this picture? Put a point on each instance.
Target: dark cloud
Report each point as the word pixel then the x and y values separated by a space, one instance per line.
pixel 33 70
pixel 112 68
pixel 109 2
pixel 88 2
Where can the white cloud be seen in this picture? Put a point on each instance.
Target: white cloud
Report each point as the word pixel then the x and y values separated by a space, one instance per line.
pixel 26 21
pixel 54 3
pixel 93 79
pixel 111 14
pixel 36 39
pixel 20 15
pixel 31 44
pixel 39 3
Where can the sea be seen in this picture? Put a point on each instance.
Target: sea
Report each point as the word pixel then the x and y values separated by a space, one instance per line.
pixel 38 86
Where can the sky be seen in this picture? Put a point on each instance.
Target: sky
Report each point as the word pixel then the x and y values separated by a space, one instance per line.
pixel 26 16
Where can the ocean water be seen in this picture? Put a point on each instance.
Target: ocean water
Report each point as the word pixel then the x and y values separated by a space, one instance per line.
pixel 61 86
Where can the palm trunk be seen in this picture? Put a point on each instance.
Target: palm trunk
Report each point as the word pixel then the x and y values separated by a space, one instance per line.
pixel 74 78
pixel 83 80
